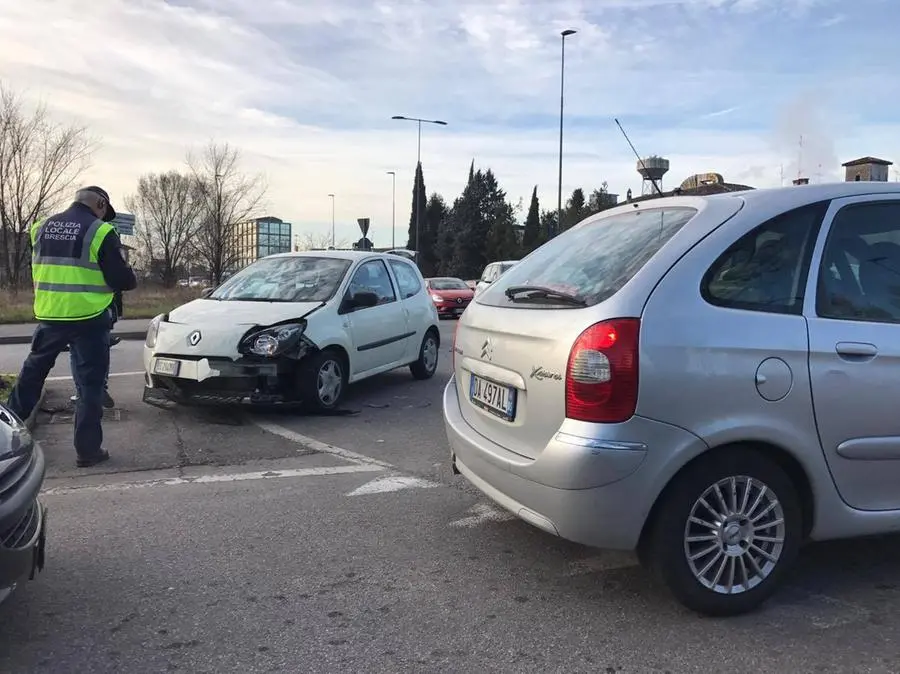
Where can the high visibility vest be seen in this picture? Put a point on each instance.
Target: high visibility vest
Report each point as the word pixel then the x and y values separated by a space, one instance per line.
pixel 68 282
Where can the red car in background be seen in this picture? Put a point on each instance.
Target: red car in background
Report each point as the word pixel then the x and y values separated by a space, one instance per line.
pixel 450 295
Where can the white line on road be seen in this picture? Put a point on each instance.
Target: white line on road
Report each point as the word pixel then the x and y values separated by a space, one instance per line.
pixel 317 445
pixel 482 513
pixel 68 377
pixel 383 485
pixel 207 479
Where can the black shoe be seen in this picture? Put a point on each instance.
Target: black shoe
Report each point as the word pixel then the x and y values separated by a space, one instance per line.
pixel 108 402
pixel 113 340
pixel 94 460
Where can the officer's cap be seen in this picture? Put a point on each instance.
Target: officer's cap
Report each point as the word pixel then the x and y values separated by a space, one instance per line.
pixel 110 214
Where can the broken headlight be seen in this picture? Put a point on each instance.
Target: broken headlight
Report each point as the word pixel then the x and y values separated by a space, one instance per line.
pixel 274 341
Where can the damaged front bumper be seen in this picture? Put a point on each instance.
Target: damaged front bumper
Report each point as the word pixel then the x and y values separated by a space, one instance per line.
pixel 179 380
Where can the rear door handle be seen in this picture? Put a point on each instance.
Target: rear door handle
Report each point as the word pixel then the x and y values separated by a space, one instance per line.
pixel 856 350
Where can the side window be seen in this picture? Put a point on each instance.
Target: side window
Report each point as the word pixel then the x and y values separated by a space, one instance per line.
pixel 373 276
pixel 407 279
pixel 766 269
pixel 486 274
pixel 859 279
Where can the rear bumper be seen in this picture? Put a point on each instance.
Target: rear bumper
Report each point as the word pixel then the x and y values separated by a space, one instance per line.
pixel 23 521
pixel 593 491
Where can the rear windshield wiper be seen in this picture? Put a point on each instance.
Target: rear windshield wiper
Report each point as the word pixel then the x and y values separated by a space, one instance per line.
pixel 532 293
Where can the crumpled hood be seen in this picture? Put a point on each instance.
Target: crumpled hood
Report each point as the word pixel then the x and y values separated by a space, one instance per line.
pixel 204 312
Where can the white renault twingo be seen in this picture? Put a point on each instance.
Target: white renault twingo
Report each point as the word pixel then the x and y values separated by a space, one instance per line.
pixel 295 327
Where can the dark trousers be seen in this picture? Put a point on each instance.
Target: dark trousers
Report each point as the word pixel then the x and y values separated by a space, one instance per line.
pixel 89 345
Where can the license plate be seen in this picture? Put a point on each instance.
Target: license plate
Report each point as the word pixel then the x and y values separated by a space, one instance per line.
pixel 166 366
pixel 495 398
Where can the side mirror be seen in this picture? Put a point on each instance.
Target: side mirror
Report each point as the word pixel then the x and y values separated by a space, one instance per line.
pixel 364 299
pixel 206 292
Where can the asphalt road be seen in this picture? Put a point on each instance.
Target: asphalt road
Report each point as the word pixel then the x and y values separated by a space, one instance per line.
pixel 342 544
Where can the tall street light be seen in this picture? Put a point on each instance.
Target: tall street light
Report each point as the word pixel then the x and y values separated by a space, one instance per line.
pixel 332 219
pixel 418 206
pixel 393 175
pixel 562 77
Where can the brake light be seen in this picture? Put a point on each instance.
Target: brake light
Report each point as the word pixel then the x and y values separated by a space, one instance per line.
pixel 602 373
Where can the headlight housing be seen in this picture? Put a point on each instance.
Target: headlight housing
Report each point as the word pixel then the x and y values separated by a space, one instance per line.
pixel 272 341
pixel 437 298
pixel 153 331
pixel 15 439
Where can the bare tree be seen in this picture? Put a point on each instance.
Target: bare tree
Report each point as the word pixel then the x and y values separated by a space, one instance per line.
pixel 310 241
pixel 229 198
pixel 167 207
pixel 40 160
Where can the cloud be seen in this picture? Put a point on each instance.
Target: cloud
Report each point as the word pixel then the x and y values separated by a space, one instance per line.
pixel 306 90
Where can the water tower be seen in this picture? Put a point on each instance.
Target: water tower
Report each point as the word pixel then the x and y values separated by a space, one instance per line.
pixel 652 169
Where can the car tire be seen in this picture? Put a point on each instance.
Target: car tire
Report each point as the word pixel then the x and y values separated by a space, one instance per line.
pixel 756 537
pixel 323 380
pixel 426 365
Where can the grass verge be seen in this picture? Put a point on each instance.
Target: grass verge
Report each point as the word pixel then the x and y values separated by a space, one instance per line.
pixel 141 303
pixel 7 381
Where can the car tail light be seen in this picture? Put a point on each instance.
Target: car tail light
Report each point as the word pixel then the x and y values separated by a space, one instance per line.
pixel 602 373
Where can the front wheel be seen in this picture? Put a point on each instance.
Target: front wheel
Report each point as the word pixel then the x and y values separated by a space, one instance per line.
pixel 426 365
pixel 726 533
pixel 323 381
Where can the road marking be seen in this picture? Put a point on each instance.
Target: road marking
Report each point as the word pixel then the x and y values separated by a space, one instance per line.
pixel 383 485
pixel 482 513
pixel 209 479
pixel 323 447
pixel 68 377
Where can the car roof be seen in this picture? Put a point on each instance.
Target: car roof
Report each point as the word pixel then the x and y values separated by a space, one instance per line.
pixel 352 255
pixel 797 195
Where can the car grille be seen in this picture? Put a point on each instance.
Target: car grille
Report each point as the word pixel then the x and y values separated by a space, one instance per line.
pixel 11 479
pixel 22 533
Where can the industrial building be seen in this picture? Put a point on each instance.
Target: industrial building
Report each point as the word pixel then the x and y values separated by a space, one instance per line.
pixel 260 237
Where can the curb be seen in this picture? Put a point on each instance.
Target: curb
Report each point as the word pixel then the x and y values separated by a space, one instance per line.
pixel 132 335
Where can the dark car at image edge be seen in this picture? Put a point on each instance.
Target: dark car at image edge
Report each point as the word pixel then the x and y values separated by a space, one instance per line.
pixel 22 515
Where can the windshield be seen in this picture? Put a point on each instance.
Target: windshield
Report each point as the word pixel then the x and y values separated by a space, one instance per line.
pixel 285 279
pixel 589 263
pixel 506 266
pixel 447 284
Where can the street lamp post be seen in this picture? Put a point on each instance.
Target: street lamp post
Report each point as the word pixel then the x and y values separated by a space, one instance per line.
pixel 393 175
pixel 418 206
pixel 332 219
pixel 562 76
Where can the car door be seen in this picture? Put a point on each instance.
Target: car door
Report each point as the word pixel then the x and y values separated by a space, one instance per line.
pixel 378 334
pixel 854 341
pixel 417 306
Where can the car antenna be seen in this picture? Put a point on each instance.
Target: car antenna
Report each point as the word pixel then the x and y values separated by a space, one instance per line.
pixel 640 161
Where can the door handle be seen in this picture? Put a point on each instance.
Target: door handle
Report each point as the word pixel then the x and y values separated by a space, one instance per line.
pixel 856 350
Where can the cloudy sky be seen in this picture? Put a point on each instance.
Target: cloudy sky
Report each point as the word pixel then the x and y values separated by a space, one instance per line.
pixel 306 89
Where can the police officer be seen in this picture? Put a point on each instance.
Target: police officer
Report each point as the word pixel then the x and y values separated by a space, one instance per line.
pixel 77 266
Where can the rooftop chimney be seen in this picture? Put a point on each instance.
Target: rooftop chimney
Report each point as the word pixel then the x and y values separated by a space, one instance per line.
pixel 801 181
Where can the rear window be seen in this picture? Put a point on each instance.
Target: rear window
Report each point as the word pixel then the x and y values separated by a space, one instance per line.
pixel 593 261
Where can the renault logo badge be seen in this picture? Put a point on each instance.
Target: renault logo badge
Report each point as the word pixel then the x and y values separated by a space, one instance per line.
pixel 194 338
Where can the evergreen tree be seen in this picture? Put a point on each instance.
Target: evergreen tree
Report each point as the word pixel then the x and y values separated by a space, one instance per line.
pixel 419 199
pixel 575 210
pixel 548 225
pixel 433 219
pixel 532 237
pixel 500 219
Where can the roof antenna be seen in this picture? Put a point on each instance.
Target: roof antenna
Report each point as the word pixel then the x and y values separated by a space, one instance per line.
pixel 640 161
